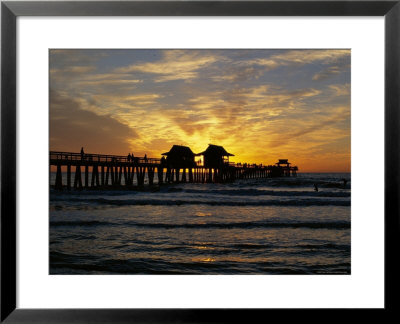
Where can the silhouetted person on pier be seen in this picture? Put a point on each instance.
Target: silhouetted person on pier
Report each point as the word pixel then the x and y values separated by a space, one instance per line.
pixel 163 161
pixel 82 153
pixel 344 183
pixel 129 157
pixel 145 158
pixel 315 187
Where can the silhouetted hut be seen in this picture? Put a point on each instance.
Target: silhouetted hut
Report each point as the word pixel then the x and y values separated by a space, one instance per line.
pixel 283 162
pixel 215 156
pixel 180 157
pixel 281 169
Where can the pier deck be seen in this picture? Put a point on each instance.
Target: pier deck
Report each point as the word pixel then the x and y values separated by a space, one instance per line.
pixel 100 170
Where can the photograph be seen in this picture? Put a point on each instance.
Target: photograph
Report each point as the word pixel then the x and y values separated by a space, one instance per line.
pixel 199 161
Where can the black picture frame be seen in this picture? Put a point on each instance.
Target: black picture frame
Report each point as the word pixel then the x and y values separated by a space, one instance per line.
pixel 10 10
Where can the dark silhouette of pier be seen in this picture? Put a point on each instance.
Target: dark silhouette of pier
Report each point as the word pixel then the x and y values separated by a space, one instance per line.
pixel 106 171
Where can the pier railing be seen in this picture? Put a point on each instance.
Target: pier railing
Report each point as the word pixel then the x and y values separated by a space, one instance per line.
pixel 90 157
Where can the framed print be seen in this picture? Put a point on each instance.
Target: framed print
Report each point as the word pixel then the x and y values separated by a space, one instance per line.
pixel 197 161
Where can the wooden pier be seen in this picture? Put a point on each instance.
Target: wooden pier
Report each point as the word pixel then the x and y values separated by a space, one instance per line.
pixel 95 171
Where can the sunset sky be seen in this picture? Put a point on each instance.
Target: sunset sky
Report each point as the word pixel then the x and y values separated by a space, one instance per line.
pixel 261 105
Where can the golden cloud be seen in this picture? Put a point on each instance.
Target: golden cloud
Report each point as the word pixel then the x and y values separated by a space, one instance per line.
pixel 175 65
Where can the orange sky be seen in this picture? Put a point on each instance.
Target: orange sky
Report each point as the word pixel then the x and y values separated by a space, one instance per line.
pixel 261 105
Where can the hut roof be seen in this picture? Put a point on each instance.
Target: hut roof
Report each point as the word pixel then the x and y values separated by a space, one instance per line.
pixel 180 151
pixel 215 150
pixel 283 161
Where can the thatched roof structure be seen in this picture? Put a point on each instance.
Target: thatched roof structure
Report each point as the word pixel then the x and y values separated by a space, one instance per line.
pixel 283 161
pixel 180 157
pixel 179 150
pixel 215 150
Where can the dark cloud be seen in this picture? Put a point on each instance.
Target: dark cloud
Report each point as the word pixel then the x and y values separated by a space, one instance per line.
pixel 326 74
pixel 70 57
pixel 72 127
pixel 342 65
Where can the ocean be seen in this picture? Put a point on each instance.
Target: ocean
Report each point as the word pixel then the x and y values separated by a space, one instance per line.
pixel 254 226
